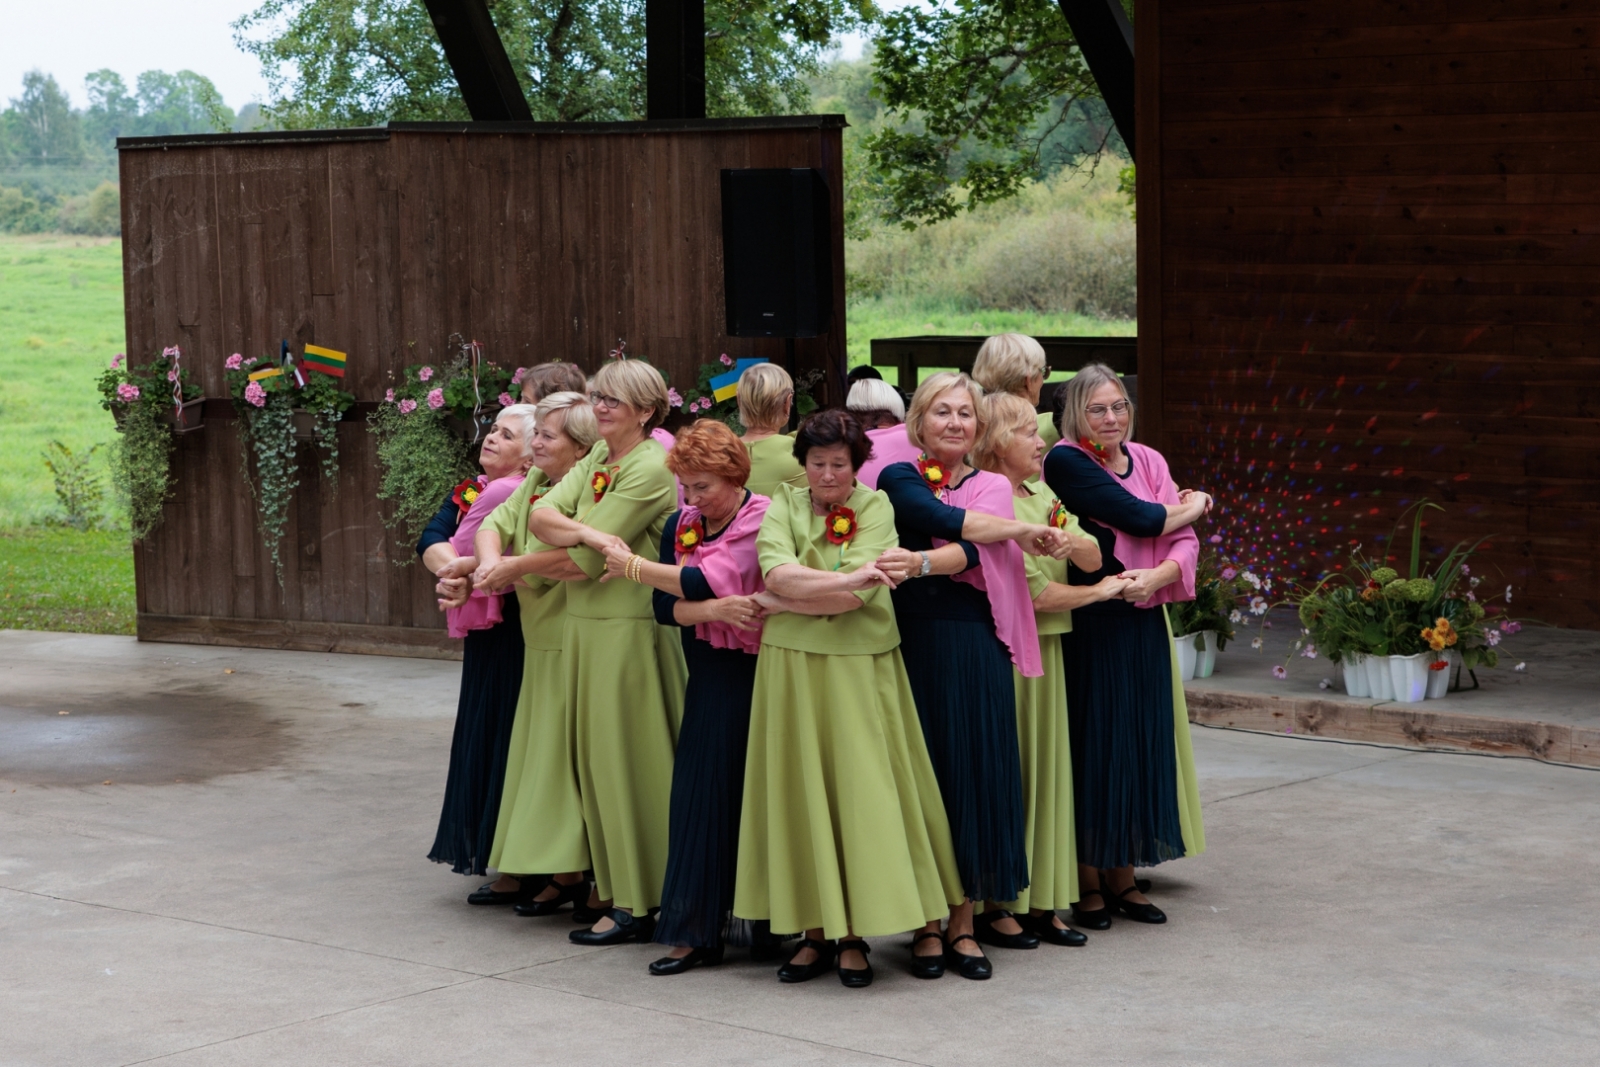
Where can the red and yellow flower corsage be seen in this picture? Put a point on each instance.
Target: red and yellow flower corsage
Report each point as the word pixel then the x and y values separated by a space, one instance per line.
pixel 1058 515
pixel 466 494
pixel 1095 449
pixel 934 473
pixel 690 537
pixel 600 483
pixel 839 526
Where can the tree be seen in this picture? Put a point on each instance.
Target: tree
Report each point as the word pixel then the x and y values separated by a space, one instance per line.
pixel 111 113
pixel 184 102
pixel 984 96
pixel 362 62
pixel 42 126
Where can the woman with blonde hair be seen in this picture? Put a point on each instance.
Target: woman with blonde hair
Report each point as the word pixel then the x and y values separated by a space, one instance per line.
pixel 1016 363
pixel 624 678
pixel 876 403
pixel 1134 795
pixel 965 621
pixel 541 812
pixel 766 396
pixel 1011 448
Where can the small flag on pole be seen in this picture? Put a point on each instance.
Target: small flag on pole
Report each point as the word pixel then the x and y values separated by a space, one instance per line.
pixel 324 361
pixel 725 385
pixel 292 368
pixel 270 372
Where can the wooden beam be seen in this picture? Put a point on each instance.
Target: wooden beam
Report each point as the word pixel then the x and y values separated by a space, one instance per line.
pixel 478 58
pixel 675 59
pixel 1106 40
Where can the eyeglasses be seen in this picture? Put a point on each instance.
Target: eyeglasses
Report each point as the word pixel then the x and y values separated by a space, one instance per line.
pixel 1119 409
pixel 600 400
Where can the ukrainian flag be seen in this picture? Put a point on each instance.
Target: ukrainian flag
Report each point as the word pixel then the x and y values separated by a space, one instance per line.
pixel 324 361
pixel 262 375
pixel 726 385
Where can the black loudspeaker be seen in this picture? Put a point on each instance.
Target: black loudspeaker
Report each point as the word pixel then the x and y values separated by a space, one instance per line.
pixel 777 252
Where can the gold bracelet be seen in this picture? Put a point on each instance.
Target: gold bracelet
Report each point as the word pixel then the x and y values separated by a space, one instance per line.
pixel 632 569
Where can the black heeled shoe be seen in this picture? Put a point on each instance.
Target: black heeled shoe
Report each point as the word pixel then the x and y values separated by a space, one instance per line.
pixel 1139 913
pixel 853 978
pixel 928 966
pixel 1098 919
pixel 984 926
pixel 627 928
pixel 975 967
pixel 1044 928
pixel 527 886
pixel 698 957
pixel 575 894
pixel 804 972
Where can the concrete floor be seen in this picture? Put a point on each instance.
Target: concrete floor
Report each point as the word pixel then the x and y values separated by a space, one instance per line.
pixel 250 888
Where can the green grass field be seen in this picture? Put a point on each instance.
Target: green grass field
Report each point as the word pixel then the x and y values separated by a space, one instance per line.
pixel 61 322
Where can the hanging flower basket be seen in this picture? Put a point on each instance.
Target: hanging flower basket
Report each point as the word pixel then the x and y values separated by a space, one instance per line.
pixel 149 404
pixel 186 418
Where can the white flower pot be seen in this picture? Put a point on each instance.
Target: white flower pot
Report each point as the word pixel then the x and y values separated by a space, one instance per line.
pixel 1439 681
pixel 1379 686
pixel 1205 653
pixel 1186 656
pixel 1355 674
pixel 1409 675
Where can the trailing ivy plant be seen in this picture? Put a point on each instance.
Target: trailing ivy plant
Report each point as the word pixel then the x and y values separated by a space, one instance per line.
pixel 141 465
pixel 421 460
pixel 266 408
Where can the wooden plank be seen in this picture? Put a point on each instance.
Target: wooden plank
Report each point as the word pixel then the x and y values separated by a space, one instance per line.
pixel 299 635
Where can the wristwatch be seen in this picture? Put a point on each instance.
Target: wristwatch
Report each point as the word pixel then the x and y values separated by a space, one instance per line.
pixel 927 565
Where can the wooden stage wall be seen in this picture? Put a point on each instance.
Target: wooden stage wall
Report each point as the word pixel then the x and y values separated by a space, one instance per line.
pixel 540 241
pixel 1369 241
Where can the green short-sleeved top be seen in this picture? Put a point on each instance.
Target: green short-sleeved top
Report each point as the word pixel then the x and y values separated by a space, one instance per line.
pixel 634 504
pixel 542 601
pixel 1042 570
pixel 1047 429
pixel 772 464
pixel 792 533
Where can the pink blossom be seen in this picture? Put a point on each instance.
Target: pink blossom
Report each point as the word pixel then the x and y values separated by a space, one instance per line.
pixel 116 360
pixel 407 406
pixel 170 352
pixel 127 393
pixel 505 400
pixel 255 394
pixel 1214 539
pixel 425 374
pixel 172 375
pixel 516 379
pixel 233 362
pixel 1279 672
pixel 1229 574
pixel 1310 651
pixel 1492 637
pixel 436 399
pixel 727 361
pixel 674 398
pixel 705 403
pixel 1466 569
pixel 1510 626
pixel 388 396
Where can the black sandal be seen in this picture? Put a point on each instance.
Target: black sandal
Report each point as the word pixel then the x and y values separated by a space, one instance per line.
pixel 928 966
pixel 804 972
pixel 1097 919
pixel 975 967
pixel 852 978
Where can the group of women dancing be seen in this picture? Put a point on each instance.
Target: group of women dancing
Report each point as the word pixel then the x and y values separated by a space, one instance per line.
pixel 904 670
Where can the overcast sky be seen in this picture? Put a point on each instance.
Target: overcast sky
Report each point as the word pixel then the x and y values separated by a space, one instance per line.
pixel 131 36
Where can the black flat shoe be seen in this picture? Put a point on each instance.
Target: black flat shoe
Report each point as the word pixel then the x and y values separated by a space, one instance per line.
pixel 928 966
pixel 1098 919
pixel 628 928
pixel 804 972
pixel 526 888
pixel 851 978
pixel 699 957
pixel 1139 913
pixel 1044 928
pixel 575 894
pixel 975 967
pixel 584 915
pixel 984 925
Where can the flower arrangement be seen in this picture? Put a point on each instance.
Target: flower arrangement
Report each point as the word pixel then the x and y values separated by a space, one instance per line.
pixel 1223 593
pixel 142 400
pixel 267 394
pixel 701 400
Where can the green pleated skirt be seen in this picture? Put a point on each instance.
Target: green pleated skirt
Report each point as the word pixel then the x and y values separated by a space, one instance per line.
pixel 624 681
pixel 843 827
pixel 541 811
pixel 1047 785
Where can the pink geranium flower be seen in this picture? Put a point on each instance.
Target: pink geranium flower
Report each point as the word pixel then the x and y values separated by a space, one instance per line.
pixel 505 400
pixel 516 379
pixel 674 398
pixel 425 374
pixel 170 352
pixel 172 375
pixel 407 406
pixel 233 362
pixel 388 396
pixel 127 393
pixel 436 399
pixel 116 360
pixel 255 394
pixel 727 361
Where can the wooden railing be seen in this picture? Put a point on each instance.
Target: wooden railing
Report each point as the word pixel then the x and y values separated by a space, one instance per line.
pixel 910 355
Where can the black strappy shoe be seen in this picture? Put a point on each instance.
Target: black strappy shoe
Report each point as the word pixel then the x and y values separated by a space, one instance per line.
pixel 984 927
pixel 1139 913
pixel 1044 928
pixel 698 957
pixel 804 972
pixel 975 967
pixel 528 886
pixel 852 978
pixel 576 894
pixel 928 966
pixel 1099 918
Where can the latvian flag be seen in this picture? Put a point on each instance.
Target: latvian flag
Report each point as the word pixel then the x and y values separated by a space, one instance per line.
pixel 324 361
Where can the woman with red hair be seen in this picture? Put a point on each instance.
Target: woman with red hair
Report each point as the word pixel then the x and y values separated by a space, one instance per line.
pixel 706 584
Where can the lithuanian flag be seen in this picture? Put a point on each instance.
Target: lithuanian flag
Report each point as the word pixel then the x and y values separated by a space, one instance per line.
pixel 324 360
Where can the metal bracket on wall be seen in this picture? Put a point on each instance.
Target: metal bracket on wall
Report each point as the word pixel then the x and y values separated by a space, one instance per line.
pixel 1105 37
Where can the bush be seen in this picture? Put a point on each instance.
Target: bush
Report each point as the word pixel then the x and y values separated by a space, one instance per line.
pixel 21 213
pixel 98 212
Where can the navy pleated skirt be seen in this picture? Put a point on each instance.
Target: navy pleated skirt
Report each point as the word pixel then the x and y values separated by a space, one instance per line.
pixel 491 677
pixel 960 675
pixel 707 794
pixel 1124 757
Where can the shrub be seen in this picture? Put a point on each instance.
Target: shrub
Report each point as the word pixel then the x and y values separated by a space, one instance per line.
pixel 80 489
pixel 98 212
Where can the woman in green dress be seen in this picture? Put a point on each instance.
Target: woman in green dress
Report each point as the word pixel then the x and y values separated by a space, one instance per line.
pixel 843 833
pixel 541 812
pixel 766 395
pixel 624 675
pixel 1011 447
